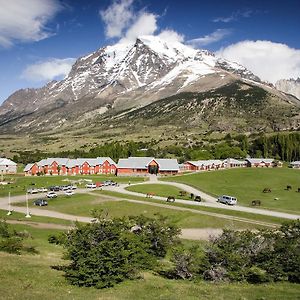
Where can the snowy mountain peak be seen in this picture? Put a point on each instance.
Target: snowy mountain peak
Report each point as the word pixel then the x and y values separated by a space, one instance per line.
pixel 127 75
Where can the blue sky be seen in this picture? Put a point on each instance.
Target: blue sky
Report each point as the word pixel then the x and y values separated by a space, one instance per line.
pixel 40 39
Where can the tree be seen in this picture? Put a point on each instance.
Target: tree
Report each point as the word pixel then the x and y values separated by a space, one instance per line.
pixel 109 251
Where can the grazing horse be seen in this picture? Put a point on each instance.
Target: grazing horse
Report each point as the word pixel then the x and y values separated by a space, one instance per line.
pixel 256 203
pixel 171 199
pixel 198 199
pixel 150 195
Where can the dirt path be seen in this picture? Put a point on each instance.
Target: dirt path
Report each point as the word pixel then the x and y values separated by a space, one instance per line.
pixel 200 233
pixel 186 233
pixel 39 224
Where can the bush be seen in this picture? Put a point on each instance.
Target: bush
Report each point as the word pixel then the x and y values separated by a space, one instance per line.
pixel 109 251
pixel 11 241
pixel 256 257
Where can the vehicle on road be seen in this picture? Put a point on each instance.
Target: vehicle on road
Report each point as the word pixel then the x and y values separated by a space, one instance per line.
pixel 32 191
pixel 69 193
pixel 54 188
pixel 40 202
pixel 90 186
pixel 227 200
pixel 51 195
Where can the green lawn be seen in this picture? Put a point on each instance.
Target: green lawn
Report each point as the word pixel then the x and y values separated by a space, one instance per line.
pixel 31 277
pixel 161 190
pixel 247 184
pixel 21 217
pixel 82 205
pixel 20 184
pixel 241 214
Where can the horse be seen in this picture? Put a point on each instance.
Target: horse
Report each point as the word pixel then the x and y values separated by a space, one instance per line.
pixel 171 199
pixel 198 199
pixel 150 195
pixel 256 203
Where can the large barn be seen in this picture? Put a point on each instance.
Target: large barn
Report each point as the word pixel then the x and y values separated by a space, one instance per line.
pixel 66 166
pixel 7 166
pixel 147 165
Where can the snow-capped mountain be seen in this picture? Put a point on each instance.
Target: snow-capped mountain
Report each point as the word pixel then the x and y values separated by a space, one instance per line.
pixel 289 86
pixel 124 76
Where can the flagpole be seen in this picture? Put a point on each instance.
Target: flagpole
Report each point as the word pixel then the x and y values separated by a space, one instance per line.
pixel 28 213
pixel 9 206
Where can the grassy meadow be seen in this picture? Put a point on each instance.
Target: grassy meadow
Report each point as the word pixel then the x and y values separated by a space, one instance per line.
pixel 161 190
pixel 83 204
pixel 247 184
pixel 31 277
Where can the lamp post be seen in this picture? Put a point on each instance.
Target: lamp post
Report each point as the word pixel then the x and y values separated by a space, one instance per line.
pixel 9 206
pixel 27 211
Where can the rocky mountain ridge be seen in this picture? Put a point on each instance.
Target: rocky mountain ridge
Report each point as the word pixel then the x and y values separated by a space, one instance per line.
pixel 124 76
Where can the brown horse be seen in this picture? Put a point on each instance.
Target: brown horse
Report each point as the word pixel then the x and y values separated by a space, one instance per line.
pixel 256 203
pixel 150 195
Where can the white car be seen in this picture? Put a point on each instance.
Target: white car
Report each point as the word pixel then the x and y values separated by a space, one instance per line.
pixel 32 191
pixel 42 190
pixel 69 193
pixel 90 186
pixel 51 195
pixel 227 200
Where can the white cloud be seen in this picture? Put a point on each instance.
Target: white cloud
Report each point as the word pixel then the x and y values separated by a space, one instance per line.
pixel 145 24
pixel 170 35
pixel 50 69
pixel 122 21
pixel 215 36
pixel 117 17
pixel 234 16
pixel 270 61
pixel 26 21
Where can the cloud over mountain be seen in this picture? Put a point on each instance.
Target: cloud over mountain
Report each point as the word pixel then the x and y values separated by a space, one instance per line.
pixel 270 61
pixel 50 69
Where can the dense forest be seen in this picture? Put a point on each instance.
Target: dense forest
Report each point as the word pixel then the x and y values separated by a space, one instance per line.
pixel 281 146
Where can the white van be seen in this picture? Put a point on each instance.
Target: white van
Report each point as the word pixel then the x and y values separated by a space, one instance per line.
pixel 227 200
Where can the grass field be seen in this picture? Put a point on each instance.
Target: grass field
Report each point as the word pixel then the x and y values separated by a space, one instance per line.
pixel 20 184
pixel 159 190
pixel 247 184
pixel 82 205
pixel 21 217
pixel 31 277
pixel 241 214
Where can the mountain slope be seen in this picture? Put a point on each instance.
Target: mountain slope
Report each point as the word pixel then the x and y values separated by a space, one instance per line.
pixel 234 107
pixel 124 76
pixel 290 86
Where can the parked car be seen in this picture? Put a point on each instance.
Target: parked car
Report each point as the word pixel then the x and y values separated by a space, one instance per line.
pixel 32 191
pixel 42 190
pixel 72 187
pixel 90 186
pixel 227 200
pixel 51 195
pixel 54 188
pixel 69 193
pixel 40 202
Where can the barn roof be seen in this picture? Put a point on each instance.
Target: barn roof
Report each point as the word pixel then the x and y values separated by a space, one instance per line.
pixel 6 162
pixel 164 164
pixel 28 167
pixel 259 160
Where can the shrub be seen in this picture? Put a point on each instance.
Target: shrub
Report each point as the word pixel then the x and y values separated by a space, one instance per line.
pixel 109 251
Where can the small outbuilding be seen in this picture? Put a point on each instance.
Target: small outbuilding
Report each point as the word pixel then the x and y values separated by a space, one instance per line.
pixel 7 166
